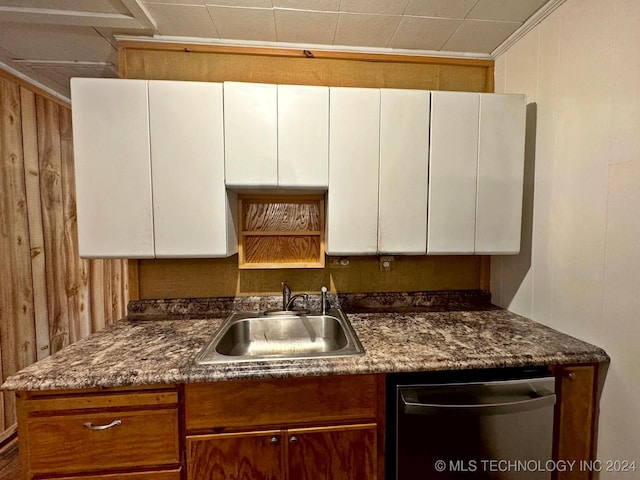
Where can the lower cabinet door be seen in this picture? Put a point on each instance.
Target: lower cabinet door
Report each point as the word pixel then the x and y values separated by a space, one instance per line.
pixel 332 453
pixel 252 455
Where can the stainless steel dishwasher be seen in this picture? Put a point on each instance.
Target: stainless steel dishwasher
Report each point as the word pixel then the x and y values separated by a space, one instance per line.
pixel 483 425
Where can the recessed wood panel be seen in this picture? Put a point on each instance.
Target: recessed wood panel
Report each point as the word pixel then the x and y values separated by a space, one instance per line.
pixel 281 232
pixel 282 402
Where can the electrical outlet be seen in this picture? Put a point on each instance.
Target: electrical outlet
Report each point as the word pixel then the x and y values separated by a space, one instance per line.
pixel 385 262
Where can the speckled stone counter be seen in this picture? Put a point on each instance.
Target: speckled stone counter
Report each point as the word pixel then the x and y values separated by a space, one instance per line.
pixel 162 351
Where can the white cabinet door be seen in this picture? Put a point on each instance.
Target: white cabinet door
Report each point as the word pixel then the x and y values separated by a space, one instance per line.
pixel 113 168
pixel 500 173
pixel 352 200
pixel 303 136
pixel 453 164
pixel 191 211
pixel 251 134
pixel 404 155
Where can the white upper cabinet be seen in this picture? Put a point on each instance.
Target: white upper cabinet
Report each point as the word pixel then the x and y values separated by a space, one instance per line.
pixel 303 136
pixel 190 206
pixel 276 135
pixel 113 168
pixel 149 163
pixel 475 173
pixel 251 134
pixel 404 155
pixel 500 173
pixel 453 165
pixel 352 200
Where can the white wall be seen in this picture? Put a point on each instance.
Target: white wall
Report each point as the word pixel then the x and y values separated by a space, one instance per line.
pixel 579 270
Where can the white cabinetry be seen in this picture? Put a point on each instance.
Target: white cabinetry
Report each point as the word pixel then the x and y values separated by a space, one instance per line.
pixel 251 134
pixel 404 156
pixel 352 200
pixel 475 173
pixel 190 206
pixel 112 168
pixel 303 136
pixel 276 135
pixel 134 137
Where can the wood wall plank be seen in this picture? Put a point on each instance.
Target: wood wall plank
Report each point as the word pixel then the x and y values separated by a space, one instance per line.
pixel 53 220
pixel 96 295
pixel 36 233
pixel 77 278
pixel 17 321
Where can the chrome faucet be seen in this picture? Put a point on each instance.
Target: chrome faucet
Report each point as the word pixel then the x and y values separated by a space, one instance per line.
pixel 286 296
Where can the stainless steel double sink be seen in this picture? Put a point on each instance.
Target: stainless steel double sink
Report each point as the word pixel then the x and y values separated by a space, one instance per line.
pixel 253 336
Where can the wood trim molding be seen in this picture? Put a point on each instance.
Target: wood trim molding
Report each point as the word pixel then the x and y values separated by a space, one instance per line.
pixel 33 87
pixel 169 46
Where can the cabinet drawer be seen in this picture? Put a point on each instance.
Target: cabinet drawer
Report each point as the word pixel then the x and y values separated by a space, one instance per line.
pixel 65 444
pixel 280 402
pixel 157 475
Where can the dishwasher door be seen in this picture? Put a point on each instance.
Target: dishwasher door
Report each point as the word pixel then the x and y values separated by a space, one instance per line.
pixel 467 431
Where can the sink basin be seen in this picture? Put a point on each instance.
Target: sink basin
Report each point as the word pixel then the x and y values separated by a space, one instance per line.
pixel 251 336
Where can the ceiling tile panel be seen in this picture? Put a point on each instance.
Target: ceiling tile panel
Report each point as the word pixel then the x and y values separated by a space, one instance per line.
pixel 366 30
pixel 104 6
pixel 244 23
pixel 505 10
pixel 318 5
pixel 182 20
pixel 381 7
pixel 32 41
pixel 198 3
pixel 479 36
pixel 299 26
pixel 440 8
pixel 420 33
pixel 241 3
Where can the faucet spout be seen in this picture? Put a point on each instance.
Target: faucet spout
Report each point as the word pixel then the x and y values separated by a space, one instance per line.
pixel 292 301
pixel 286 296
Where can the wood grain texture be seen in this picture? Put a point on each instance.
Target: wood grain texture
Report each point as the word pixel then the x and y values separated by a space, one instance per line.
pixel 281 232
pixel 50 163
pixel 333 453
pixel 77 278
pixel 282 402
pixel 173 474
pixel 245 456
pixel 17 324
pixel 575 420
pixel 63 444
pixel 36 232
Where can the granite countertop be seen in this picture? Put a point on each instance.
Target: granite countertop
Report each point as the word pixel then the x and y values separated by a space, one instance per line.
pixel 154 349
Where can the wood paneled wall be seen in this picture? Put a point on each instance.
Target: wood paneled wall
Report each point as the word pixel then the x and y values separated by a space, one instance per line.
pixel 49 296
pixel 221 277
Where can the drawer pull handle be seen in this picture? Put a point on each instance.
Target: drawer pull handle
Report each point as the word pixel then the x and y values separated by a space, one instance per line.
pixel 90 426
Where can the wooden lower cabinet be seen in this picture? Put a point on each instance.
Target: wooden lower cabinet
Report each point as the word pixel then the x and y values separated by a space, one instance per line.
pixel 158 475
pixel 100 434
pixel 346 452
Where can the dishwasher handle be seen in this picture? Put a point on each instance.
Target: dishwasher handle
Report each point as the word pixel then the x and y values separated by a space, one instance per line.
pixel 414 407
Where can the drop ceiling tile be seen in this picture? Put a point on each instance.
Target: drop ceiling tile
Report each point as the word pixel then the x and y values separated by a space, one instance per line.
pixel 241 3
pixel 479 36
pixel 30 41
pixel 381 7
pixel 440 8
pixel 505 10
pixel 198 3
pixel 317 5
pixel 182 20
pixel 105 6
pixel 300 26
pixel 365 30
pixel 244 23
pixel 420 33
